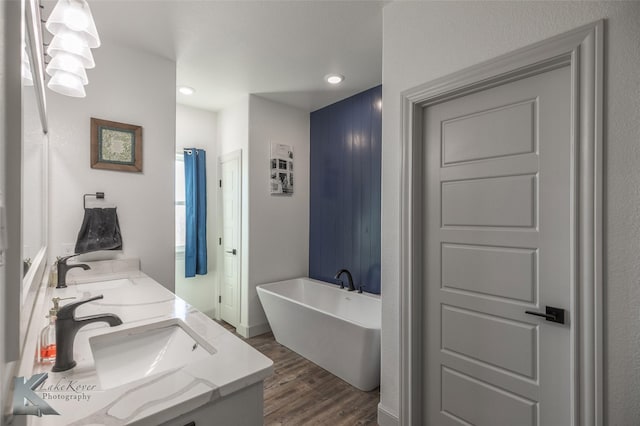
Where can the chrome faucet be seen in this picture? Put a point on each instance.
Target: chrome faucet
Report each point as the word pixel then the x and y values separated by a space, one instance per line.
pixel 67 325
pixel 63 268
pixel 349 279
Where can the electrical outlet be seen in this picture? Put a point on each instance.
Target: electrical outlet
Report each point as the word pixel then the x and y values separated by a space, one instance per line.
pixel 68 248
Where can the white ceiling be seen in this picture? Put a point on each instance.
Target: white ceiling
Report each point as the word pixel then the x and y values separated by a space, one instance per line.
pixel 276 49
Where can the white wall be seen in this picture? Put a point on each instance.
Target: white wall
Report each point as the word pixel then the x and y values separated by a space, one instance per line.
pixel 278 225
pixel 233 135
pixel 128 86
pixel 196 128
pixel 275 230
pixel 427 40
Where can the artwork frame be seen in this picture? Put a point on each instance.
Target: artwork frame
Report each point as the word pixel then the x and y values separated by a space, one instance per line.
pixel 116 146
pixel 281 169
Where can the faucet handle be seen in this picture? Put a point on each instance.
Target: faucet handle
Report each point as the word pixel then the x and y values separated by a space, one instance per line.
pixel 56 302
pixel 68 310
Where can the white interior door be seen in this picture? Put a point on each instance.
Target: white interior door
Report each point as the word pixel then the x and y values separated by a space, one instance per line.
pixel 498 226
pixel 230 171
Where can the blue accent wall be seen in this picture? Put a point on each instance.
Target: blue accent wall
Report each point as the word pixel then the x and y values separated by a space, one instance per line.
pixel 344 223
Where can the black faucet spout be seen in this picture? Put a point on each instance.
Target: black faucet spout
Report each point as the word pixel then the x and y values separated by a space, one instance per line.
pixel 63 268
pixel 67 326
pixel 111 319
pixel 349 279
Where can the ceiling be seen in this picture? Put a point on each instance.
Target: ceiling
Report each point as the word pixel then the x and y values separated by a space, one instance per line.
pixel 280 50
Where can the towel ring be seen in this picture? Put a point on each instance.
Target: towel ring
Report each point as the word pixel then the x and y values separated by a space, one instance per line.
pixel 98 195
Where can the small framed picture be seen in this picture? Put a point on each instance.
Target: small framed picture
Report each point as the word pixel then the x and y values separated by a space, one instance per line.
pixel 116 146
pixel 281 179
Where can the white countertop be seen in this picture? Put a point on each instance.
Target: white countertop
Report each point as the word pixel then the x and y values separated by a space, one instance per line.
pixel 77 394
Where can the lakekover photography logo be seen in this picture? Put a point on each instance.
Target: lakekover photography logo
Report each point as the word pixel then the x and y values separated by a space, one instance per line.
pixel 26 401
pixel 33 396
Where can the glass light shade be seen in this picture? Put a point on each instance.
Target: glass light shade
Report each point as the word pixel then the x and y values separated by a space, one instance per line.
pixel 27 77
pixel 67 84
pixel 69 42
pixel 74 15
pixel 69 63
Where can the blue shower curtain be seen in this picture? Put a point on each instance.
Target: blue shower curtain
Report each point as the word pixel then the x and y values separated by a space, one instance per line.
pixel 195 250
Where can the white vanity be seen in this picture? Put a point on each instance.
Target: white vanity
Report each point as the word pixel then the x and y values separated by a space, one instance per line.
pixel 167 364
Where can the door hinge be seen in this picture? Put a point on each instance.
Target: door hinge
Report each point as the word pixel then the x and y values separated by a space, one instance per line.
pixel 219 299
pixel 220 241
pixel 220 183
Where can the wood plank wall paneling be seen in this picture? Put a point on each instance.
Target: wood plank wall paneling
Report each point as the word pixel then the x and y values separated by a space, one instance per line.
pixel 344 222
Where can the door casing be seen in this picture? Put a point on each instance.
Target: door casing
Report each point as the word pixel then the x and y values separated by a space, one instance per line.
pixel 582 50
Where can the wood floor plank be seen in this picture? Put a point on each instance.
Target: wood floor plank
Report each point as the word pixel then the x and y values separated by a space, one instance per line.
pixel 302 393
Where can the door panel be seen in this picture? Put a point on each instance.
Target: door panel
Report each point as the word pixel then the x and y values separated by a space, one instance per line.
pixel 460 328
pixel 230 286
pixel 496 271
pixel 504 201
pixel 474 137
pixel 471 401
pixel 497 226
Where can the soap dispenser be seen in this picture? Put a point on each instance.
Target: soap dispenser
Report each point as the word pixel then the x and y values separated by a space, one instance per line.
pixel 53 273
pixel 47 344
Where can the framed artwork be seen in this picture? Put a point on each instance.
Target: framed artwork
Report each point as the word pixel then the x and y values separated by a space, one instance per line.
pixel 116 146
pixel 281 176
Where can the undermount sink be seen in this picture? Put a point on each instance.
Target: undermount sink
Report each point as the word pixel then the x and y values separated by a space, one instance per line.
pixel 125 356
pixel 135 294
pixel 103 285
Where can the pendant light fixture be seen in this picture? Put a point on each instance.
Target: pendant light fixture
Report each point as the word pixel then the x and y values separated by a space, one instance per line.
pixel 74 34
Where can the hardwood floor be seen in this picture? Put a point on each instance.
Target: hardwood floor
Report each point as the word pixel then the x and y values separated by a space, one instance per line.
pixel 301 393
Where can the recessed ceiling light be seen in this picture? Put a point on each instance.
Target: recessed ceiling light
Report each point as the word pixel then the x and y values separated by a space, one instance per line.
pixel 334 78
pixel 185 90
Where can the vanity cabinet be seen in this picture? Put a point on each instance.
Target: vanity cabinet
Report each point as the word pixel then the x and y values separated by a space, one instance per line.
pixel 242 408
pixel 222 387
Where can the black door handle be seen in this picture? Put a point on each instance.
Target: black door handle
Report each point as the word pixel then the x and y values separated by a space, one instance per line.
pixel 552 314
pixel 233 252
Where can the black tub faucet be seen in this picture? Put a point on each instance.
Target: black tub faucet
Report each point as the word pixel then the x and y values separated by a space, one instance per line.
pixel 63 268
pixel 349 279
pixel 67 325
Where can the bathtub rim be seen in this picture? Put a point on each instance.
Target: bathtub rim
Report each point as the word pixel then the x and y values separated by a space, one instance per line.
pixel 264 287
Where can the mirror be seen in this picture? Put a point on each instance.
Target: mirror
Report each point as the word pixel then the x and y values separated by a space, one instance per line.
pixel 34 144
pixel 34 162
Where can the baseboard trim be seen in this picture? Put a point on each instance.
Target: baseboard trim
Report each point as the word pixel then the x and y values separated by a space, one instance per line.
pixel 252 331
pixel 386 418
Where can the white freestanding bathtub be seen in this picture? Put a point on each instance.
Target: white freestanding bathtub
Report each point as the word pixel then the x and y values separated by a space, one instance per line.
pixel 338 330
